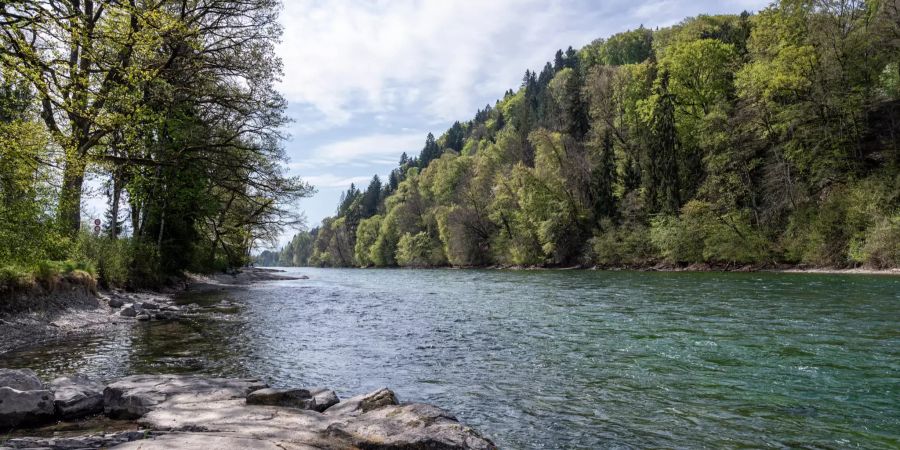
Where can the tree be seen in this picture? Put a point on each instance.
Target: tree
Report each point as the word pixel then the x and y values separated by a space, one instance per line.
pixel 93 92
pixel 663 193
pixel 371 198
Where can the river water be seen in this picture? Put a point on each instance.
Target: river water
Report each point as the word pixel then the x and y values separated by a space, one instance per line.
pixel 554 359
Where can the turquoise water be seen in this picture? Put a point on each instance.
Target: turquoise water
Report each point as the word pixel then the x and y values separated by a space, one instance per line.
pixel 556 359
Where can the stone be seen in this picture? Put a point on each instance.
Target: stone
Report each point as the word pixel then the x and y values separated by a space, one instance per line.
pixel 171 308
pixel 22 408
pixel 20 379
pixel 165 315
pixel 364 403
pixel 143 317
pixel 79 442
pixel 77 396
pixel 116 302
pixel 149 305
pixel 410 426
pixel 128 311
pixel 291 398
pixel 325 398
pixel 134 396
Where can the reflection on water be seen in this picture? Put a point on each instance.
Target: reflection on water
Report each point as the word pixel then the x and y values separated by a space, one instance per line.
pixel 554 359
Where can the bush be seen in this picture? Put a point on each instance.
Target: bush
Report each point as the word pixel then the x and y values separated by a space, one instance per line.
pixel 112 258
pixel 702 235
pixel 419 250
pixel 622 247
pixel 881 246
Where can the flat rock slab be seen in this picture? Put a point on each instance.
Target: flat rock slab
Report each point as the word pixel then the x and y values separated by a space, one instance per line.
pixel 78 442
pixel 372 420
pixel 77 396
pixel 208 441
pixel 273 423
pixel 133 397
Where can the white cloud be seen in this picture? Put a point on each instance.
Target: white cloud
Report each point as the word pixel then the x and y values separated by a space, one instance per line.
pixel 364 151
pixel 440 58
pixel 370 57
pixel 325 181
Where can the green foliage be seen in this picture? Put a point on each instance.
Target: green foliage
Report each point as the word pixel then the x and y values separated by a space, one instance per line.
pixel 112 258
pixel 419 250
pixel 366 236
pixel 700 234
pixel 189 139
pixel 881 246
pixel 618 247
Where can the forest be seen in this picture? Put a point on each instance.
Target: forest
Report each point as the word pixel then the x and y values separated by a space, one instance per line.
pixel 168 109
pixel 754 139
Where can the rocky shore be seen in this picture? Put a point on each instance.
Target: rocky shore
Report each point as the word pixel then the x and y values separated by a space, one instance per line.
pixel 187 412
pixel 72 307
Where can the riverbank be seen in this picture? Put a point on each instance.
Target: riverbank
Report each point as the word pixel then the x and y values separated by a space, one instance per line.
pixel 72 306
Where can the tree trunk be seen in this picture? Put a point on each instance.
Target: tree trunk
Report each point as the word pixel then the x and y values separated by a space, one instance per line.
pixel 69 209
pixel 116 195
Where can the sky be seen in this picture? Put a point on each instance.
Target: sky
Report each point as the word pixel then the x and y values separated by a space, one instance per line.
pixel 368 80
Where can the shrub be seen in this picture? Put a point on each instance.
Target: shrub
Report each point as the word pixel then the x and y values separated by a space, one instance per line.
pixel 419 250
pixel 700 234
pixel 881 246
pixel 622 247
pixel 678 240
pixel 112 258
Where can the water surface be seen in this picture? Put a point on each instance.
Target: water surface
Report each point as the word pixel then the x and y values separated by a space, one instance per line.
pixel 555 359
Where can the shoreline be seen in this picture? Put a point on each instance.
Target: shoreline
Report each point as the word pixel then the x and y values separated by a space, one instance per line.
pixel 664 268
pixel 40 316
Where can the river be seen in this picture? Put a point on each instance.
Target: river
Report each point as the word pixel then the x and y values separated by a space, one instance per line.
pixel 554 359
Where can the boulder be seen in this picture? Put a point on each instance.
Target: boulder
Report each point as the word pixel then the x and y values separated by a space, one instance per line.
pixel 116 302
pixel 128 311
pixel 143 317
pixel 149 305
pixel 77 396
pixel 325 398
pixel 364 403
pixel 20 379
pixel 171 308
pixel 291 398
pixel 134 396
pixel 410 426
pixel 22 408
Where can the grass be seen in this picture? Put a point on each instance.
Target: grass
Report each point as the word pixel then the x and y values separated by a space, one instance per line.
pixel 45 272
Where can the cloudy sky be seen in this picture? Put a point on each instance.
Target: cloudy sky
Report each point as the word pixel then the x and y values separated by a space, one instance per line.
pixel 367 80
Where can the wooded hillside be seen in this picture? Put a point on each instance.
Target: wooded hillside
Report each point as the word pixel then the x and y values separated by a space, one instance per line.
pixel 755 138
